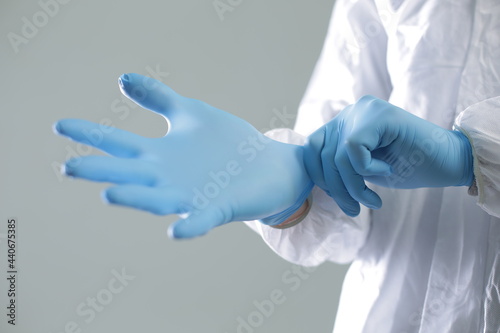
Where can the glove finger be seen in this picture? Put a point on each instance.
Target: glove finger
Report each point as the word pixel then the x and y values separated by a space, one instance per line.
pixel 197 224
pixel 312 157
pixel 151 94
pixel 334 185
pixel 112 169
pixel 355 183
pixel 111 140
pixel 153 200
pixel 363 163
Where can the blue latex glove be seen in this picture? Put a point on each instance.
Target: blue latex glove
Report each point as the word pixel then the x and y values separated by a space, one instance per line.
pixel 378 142
pixel 211 167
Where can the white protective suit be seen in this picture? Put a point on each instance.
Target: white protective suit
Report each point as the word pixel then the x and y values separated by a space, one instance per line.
pixel 429 260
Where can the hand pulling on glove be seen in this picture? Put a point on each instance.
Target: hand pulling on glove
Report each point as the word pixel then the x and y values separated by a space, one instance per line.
pixel 377 142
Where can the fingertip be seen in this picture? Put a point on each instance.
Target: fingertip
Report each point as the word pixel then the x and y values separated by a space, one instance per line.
pixel 113 196
pixel 183 230
pixel 349 206
pixel 316 140
pixel 69 168
pixel 175 234
pixel 56 127
pixel 145 91
pixel 351 213
pixel 62 169
pixel 373 206
pixel 195 225
pixel 378 168
pixel 171 233
pixel 60 126
pixel 123 81
pixel 129 80
pixel 68 127
pixel 106 197
pixel 373 201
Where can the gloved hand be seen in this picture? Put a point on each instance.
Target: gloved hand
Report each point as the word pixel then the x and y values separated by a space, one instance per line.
pixel 378 142
pixel 211 167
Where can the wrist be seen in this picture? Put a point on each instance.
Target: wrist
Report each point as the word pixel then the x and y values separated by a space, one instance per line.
pixel 284 215
pixel 296 217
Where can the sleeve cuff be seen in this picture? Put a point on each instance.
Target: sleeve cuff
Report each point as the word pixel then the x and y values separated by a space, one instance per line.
pixel 480 123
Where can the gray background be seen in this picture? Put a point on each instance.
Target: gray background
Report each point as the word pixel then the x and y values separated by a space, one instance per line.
pixel 257 59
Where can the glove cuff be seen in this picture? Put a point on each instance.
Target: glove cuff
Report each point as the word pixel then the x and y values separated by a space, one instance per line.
pixel 466 151
pixel 282 216
pixel 298 219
